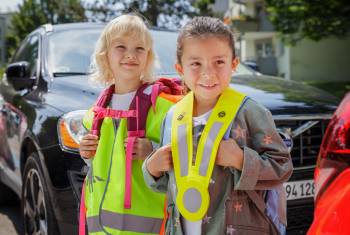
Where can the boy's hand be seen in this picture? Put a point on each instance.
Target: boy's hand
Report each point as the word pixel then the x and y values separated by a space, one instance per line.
pixel 141 149
pixel 88 146
pixel 160 161
pixel 230 154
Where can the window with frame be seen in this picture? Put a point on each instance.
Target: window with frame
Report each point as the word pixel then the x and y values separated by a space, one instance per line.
pixel 29 52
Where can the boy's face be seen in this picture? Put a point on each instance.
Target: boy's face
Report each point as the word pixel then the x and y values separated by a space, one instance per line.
pixel 127 58
pixel 207 66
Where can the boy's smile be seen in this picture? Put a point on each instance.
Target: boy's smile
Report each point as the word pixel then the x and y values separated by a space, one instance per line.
pixel 207 66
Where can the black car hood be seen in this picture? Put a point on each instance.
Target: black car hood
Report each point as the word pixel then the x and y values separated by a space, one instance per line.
pixel 280 96
pixel 283 97
pixel 71 93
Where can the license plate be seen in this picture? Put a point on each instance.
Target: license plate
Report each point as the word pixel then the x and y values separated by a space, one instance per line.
pixel 299 189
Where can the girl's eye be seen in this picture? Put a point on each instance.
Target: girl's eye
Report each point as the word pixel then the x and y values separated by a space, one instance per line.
pixel 140 49
pixel 120 47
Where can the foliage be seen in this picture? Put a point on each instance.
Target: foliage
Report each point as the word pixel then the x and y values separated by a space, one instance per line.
pixel 163 13
pixel 33 13
pixel 203 7
pixel 312 19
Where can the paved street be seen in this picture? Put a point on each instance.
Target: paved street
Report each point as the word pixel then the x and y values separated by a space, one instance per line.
pixel 10 220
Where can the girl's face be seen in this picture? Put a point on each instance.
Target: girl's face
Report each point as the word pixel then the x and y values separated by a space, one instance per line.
pixel 127 58
pixel 207 66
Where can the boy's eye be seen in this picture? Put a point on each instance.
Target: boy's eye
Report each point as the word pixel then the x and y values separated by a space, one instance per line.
pixel 195 64
pixel 220 62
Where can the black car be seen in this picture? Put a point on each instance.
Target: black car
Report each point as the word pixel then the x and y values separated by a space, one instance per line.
pixel 47 80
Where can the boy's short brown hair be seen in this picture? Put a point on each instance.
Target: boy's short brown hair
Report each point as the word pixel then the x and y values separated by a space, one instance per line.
pixel 202 27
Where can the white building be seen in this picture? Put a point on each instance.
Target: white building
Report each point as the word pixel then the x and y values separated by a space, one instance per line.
pixel 258 42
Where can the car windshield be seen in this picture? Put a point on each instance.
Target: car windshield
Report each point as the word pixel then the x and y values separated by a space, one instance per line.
pixel 70 52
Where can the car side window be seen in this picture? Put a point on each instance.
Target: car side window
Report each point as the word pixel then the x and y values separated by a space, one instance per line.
pixel 29 51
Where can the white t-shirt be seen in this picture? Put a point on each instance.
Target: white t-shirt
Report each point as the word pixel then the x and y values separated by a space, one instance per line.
pixel 119 102
pixel 195 228
pixel 202 119
pixel 122 101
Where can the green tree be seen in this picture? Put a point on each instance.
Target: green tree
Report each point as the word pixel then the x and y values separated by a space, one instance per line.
pixel 203 7
pixel 312 19
pixel 163 13
pixel 33 13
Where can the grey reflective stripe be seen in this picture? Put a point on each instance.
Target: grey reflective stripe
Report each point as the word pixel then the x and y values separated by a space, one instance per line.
pixel 124 222
pixel 208 148
pixel 192 200
pixel 183 149
pixel 93 224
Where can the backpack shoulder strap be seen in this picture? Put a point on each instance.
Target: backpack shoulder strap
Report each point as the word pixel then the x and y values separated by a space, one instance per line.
pixel 172 88
pixel 141 103
pixel 102 102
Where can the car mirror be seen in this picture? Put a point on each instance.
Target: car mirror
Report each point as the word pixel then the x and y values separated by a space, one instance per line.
pixel 18 75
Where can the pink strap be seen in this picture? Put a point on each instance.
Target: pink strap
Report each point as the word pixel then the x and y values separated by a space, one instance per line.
pixel 113 113
pixel 137 133
pixel 128 164
pixel 154 95
pixel 82 214
pixel 132 136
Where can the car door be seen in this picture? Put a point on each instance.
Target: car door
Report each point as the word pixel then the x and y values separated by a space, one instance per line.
pixel 13 121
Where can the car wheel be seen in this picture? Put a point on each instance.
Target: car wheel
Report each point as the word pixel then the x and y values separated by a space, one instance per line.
pixel 37 210
pixel 7 196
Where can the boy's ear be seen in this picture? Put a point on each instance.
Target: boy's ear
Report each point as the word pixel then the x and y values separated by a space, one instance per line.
pixel 179 69
pixel 235 63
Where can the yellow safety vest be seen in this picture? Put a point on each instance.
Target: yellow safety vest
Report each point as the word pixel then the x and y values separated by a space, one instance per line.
pixel 104 194
pixel 192 181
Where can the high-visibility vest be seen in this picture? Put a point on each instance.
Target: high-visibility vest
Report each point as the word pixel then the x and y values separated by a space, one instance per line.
pixel 105 192
pixel 192 180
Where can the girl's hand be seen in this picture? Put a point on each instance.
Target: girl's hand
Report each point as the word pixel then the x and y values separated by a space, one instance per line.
pixel 230 154
pixel 142 148
pixel 88 146
pixel 160 161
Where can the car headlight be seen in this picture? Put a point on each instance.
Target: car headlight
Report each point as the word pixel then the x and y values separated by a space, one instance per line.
pixel 71 130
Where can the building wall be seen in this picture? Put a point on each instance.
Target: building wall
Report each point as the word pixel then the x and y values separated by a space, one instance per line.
pixel 220 6
pixel 327 60
pixel 250 50
pixel 283 59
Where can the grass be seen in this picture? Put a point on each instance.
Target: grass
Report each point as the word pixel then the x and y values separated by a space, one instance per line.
pixel 338 89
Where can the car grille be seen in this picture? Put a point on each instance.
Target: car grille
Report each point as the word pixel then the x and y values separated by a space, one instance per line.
pixel 307 138
pixel 298 225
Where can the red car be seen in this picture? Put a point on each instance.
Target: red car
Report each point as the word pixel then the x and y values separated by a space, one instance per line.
pixel 332 176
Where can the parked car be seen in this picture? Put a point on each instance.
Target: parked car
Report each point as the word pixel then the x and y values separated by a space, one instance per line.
pixel 47 79
pixel 252 64
pixel 332 176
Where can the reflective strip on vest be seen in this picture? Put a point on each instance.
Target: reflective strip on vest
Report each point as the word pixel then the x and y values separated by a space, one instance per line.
pixel 124 222
pixel 214 131
pixel 183 151
pixel 192 180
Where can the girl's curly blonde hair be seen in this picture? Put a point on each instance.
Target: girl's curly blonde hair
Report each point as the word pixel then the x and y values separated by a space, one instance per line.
pixel 131 26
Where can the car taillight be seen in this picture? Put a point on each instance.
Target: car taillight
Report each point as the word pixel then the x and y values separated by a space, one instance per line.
pixel 334 155
pixel 71 130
